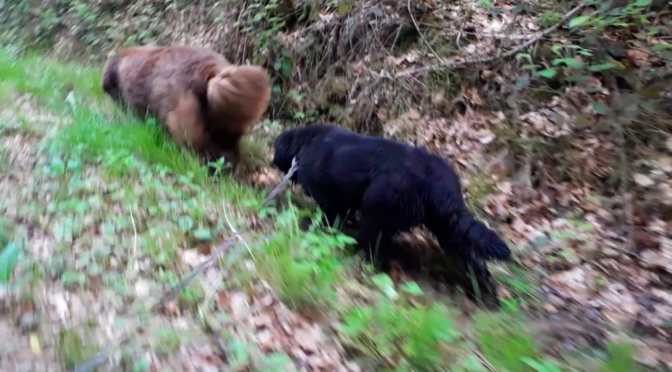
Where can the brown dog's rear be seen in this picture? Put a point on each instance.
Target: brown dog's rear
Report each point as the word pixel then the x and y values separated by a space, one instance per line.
pixel 204 101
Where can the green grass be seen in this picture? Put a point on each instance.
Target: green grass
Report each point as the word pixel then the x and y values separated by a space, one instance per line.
pixel 47 80
pixel 397 335
pixel 505 341
pixel 304 265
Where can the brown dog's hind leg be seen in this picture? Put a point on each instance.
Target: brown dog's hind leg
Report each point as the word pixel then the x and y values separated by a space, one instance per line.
pixel 185 124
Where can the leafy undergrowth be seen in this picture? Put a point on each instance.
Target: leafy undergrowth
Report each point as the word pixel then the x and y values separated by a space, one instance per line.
pixel 107 214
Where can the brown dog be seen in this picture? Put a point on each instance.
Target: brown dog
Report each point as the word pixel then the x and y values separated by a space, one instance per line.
pixel 203 100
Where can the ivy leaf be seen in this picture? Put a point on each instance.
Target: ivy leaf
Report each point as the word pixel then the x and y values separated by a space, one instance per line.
pixel 412 288
pixel 601 108
pixel 602 67
pixel 661 47
pixel 523 55
pixel 8 260
pixel 569 62
pixel 385 283
pixel 534 364
pixel 276 362
pixel 344 8
pixel 642 3
pixel 72 277
pixel 203 233
pixel 548 73
pixel 185 223
pixel 578 21
pixel 529 67
pixel 523 82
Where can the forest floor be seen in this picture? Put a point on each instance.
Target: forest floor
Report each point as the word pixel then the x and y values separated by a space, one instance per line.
pixel 102 215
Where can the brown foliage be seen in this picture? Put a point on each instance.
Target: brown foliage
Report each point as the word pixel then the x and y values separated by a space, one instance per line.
pixel 203 100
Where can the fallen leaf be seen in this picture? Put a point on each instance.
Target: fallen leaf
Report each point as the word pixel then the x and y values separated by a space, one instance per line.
pixel 382 114
pixel 488 138
pixel 414 114
pixel 35 344
pixel 192 257
pixel 645 240
pixel 637 57
pixel 487 74
pixel 471 94
pixel 665 164
pixel 142 288
pixel 642 180
pixel 550 308
pixel 308 339
pixel 171 308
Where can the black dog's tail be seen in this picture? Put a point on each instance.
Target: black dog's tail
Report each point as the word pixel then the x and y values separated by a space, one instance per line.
pixel 484 240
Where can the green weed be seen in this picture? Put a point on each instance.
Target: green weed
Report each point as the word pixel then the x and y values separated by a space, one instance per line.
pixel 303 265
pixel 395 334
pixel 166 341
pixel 50 81
pixel 520 283
pixel 505 341
pixel 72 349
pixel 621 358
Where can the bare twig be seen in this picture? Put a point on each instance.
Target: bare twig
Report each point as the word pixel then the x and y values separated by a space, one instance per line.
pixel 132 265
pixel 651 53
pixel 281 186
pixel 226 217
pixel 628 211
pixel 417 28
pixel 486 363
pixel 512 52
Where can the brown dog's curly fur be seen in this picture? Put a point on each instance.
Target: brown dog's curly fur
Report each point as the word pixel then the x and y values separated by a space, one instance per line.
pixel 203 100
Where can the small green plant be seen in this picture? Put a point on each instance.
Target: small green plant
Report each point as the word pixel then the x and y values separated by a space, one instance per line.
pixel 275 362
pixel 191 296
pixel 303 265
pixel 519 283
pixel 9 257
pixel 392 332
pixel 621 358
pixel 633 14
pixel 264 21
pixel 548 19
pixel 544 366
pixel 505 342
pixel 166 341
pixel 73 350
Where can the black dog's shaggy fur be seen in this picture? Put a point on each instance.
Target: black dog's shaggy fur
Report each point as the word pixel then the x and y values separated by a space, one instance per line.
pixel 394 186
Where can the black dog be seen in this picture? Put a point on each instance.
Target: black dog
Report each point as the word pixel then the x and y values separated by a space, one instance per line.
pixel 394 186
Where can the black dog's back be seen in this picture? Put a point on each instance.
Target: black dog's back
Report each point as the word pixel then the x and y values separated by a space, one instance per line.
pixel 347 162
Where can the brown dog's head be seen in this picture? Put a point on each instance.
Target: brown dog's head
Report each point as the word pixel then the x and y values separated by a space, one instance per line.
pixel 240 94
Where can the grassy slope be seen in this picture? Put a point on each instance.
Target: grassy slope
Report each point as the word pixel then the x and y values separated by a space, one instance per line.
pixel 119 205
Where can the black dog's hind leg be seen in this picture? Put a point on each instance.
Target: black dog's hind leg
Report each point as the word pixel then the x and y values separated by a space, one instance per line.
pixel 381 218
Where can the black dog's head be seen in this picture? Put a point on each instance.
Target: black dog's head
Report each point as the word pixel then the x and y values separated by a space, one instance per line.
pixel 285 150
pixel 290 143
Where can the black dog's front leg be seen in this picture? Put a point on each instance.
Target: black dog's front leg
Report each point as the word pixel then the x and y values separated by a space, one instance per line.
pixel 478 285
pixel 375 242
